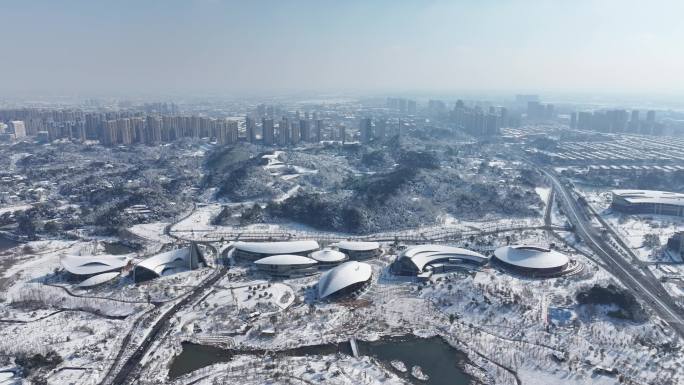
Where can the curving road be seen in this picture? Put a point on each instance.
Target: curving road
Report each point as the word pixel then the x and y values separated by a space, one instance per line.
pixel 644 286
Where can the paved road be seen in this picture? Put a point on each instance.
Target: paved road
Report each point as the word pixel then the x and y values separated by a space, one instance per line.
pixel 433 235
pixel 644 286
pixel 123 367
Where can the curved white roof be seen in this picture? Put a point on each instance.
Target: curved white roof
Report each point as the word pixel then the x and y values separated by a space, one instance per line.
pixel 343 276
pixel 170 259
pixel 357 246
pixel 424 254
pixel 531 257
pixel 285 259
pixel 93 264
pixel 99 279
pixel 328 255
pixel 290 247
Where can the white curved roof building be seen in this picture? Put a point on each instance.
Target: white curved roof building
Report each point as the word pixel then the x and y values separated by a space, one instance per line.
pixel 99 279
pixel 532 259
pixel 420 259
pixel 93 264
pixel 167 263
pixel 257 250
pixel 344 279
pixel 359 250
pixel 328 257
pixel 287 265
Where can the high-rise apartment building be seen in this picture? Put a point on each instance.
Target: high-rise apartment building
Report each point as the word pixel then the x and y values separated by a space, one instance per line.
pixel 267 131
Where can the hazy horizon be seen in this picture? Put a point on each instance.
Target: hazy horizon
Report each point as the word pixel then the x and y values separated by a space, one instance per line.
pixel 271 47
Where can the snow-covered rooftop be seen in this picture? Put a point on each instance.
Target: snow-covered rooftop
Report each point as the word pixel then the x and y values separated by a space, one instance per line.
pixel 357 246
pixel 290 247
pixel 328 255
pixel 169 259
pixel 99 279
pixel 424 254
pixel 342 276
pixel 285 259
pixel 93 264
pixel 650 196
pixel 531 257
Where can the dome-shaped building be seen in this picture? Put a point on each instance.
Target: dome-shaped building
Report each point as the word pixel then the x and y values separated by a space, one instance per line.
pixel 328 257
pixel 532 260
pixel 344 279
pixel 359 250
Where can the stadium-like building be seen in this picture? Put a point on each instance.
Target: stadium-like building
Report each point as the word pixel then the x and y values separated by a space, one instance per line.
pixel 359 250
pixel 252 251
pixel 425 260
pixel 535 261
pixel 287 265
pixel 648 202
pixel 91 265
pixel 170 262
pixel 327 258
pixel 344 280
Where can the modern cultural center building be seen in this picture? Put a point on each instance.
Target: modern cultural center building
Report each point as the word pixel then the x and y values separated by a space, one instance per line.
pixel 287 265
pixel 358 251
pixel 253 251
pixel 424 260
pixel 345 279
pixel 648 202
pixel 534 261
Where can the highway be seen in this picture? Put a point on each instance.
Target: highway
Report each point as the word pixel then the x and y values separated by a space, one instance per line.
pixel 644 286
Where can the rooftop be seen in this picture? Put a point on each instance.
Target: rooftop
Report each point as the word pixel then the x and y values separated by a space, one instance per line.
pixel 291 247
pixel 531 257
pixel 650 196
pixel 285 259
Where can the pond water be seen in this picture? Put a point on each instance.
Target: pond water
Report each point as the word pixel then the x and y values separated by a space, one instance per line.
pixel 441 362
pixel 117 248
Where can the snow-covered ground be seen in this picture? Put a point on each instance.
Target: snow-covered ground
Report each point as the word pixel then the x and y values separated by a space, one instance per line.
pixel 151 232
pixel 14 208
pixel 543 193
pixel 197 226
pixel 44 310
pixel 499 320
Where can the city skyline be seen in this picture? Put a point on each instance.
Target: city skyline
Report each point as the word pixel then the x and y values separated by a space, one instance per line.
pixel 266 47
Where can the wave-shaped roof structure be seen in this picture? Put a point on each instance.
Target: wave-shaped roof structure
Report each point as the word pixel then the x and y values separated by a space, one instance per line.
pixel 169 262
pixel 417 259
pixel 344 278
pixel 99 279
pixel 94 264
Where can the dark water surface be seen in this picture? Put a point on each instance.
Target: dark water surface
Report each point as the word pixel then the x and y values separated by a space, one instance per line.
pixel 117 248
pixel 437 358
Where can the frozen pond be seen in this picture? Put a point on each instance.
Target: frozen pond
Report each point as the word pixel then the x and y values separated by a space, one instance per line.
pixel 441 362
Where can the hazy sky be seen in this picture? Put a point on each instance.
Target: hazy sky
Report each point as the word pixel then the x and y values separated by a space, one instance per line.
pixel 222 46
